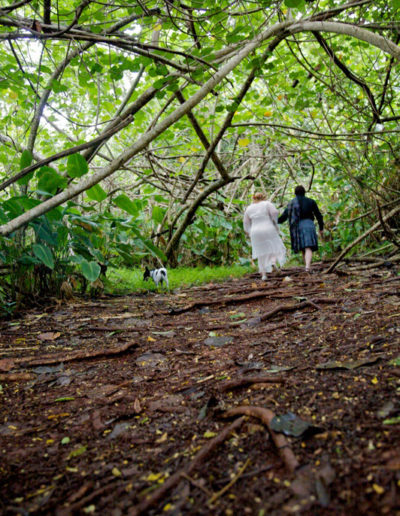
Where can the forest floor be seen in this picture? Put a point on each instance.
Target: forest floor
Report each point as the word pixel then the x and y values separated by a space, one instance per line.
pixel 181 402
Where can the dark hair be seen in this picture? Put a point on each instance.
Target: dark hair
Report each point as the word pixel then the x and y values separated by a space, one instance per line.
pixel 299 190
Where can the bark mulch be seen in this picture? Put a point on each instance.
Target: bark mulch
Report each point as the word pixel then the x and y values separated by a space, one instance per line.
pixel 243 397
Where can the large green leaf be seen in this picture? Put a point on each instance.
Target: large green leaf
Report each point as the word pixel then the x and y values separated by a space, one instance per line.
pixel 25 161
pixel 158 214
pixel 77 166
pixel 91 270
pixel 28 203
pixel 12 207
pixel 123 202
pixel 96 193
pixel 44 254
pixel 45 232
pixel 17 205
pixel 50 180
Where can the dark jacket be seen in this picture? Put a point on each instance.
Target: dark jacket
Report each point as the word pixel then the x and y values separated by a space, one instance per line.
pixel 308 210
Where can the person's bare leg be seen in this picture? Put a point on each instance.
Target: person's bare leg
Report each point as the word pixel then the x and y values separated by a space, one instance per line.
pixel 261 268
pixel 307 255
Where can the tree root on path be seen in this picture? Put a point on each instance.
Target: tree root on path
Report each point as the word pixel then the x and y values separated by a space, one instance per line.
pixel 310 483
pixel 77 355
pixel 279 440
pixel 248 380
pixel 173 480
pixel 292 308
pixel 220 301
pixel 16 377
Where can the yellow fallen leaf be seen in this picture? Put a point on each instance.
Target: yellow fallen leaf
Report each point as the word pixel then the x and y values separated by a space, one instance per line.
pixel 55 416
pixel 209 434
pixel 137 406
pixel 374 380
pixel 163 438
pixel 150 339
pixel 378 489
pixel 154 477
pixel 116 472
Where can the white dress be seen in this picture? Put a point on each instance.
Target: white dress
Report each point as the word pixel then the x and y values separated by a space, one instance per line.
pixel 261 223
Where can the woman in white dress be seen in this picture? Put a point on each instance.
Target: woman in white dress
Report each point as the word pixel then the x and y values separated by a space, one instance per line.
pixel 260 222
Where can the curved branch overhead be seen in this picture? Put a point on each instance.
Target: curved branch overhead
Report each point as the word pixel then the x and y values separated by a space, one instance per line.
pixel 168 79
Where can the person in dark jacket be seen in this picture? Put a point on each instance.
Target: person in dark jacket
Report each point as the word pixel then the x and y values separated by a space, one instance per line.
pixel 300 213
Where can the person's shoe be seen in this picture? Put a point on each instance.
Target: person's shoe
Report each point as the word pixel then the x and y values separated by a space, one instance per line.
pixel 307 270
pixel 264 277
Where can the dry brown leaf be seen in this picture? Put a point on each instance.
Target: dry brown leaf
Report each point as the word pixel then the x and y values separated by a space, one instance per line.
pixel 49 335
pixel 6 364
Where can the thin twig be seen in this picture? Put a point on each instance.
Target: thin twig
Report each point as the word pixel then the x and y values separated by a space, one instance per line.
pixel 196 484
pixel 228 486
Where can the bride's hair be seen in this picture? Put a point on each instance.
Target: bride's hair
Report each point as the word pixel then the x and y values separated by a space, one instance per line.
pixel 258 196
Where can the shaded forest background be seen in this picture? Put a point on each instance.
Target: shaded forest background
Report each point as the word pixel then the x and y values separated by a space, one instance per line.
pixel 136 132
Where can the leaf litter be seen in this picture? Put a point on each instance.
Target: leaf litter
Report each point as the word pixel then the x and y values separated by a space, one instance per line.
pixel 173 412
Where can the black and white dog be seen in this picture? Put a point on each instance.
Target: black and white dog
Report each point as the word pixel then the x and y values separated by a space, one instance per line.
pixel 157 275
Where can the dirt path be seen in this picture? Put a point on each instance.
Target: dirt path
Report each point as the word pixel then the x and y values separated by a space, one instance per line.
pixel 152 404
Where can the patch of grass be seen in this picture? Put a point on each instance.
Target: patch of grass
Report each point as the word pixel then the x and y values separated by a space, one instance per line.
pixel 131 280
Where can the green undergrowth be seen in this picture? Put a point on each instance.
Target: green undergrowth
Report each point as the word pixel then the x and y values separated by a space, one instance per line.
pixel 131 280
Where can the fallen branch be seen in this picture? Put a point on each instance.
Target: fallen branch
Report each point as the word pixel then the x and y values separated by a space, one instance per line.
pixel 248 380
pixel 376 263
pixel 173 480
pixel 279 440
pixel 361 237
pixel 387 230
pixel 77 355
